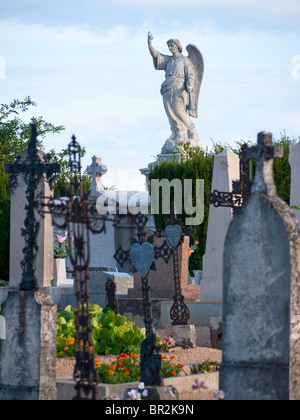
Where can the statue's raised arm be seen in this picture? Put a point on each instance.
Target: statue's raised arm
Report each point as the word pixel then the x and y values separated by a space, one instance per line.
pixel 180 90
pixel 152 50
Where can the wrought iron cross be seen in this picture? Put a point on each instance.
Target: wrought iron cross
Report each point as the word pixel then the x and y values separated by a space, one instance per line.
pixel 142 256
pixel 241 188
pixel 262 152
pixel 78 215
pixel 33 168
pixel 175 233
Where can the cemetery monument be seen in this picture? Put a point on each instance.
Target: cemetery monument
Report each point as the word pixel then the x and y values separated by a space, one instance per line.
pixel 260 264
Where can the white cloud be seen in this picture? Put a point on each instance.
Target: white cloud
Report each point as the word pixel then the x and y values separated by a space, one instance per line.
pixel 102 85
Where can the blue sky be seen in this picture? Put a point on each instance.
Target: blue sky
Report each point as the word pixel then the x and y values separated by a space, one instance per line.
pixel 87 65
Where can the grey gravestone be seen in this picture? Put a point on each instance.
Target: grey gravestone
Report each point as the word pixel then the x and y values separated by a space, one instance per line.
pixel 28 353
pixel 256 311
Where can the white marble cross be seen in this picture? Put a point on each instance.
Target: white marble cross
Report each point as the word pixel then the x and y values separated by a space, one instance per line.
pixel 97 170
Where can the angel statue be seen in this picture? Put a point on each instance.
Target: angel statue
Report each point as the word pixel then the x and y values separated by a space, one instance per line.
pixel 180 90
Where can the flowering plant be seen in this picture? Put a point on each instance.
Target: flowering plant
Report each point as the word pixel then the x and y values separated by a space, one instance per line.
pixel 193 247
pixel 61 247
pixel 138 394
pixel 126 368
pixel 169 341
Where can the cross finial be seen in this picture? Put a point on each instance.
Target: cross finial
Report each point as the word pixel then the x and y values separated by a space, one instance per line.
pixel 264 153
pixel 97 170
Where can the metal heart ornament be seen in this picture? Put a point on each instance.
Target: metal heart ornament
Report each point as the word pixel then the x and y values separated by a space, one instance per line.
pixel 173 234
pixel 142 257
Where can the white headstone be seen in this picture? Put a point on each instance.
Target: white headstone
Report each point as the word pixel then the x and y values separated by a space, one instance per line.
pixel 226 170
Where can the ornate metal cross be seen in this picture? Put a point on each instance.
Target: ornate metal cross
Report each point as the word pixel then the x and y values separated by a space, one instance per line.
pixel 241 188
pixel 262 152
pixel 175 233
pixel 33 168
pixel 78 215
pixel 142 256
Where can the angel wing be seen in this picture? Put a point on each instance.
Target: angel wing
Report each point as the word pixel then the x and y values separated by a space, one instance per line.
pixel 197 59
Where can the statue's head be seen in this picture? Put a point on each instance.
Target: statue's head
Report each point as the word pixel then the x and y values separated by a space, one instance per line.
pixel 176 42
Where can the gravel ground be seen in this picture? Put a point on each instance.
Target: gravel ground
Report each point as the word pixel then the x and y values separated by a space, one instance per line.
pixel 203 351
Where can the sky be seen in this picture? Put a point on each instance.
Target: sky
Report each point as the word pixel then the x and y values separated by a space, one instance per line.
pixel 87 66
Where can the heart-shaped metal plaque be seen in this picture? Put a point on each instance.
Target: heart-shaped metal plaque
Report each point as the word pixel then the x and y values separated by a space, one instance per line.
pixel 142 257
pixel 173 234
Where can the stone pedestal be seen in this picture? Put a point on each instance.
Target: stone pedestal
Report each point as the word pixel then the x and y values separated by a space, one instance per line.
pixel 28 354
pixel 184 335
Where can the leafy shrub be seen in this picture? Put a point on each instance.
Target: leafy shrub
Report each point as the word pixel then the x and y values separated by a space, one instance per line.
pixel 112 334
pixel 3 283
pixel 208 366
pixel 127 369
pixel 195 164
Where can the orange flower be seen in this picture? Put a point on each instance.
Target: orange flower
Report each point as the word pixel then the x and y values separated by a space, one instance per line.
pixel 164 358
pixel 127 371
pixel 133 356
pixel 173 373
pixel 71 340
pixel 120 365
pixel 66 348
pixel 119 358
pixel 91 348
pixel 97 363
pixel 111 372
pixel 180 366
pixel 172 357
pixel 190 251
pixel 124 356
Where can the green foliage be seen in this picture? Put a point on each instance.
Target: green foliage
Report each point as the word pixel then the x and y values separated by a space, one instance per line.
pixel 4 225
pixel 194 164
pixel 112 334
pixel 296 207
pixel 197 164
pixel 3 283
pixel 127 369
pixel 15 133
pixel 207 366
pixel 62 181
pixel 14 138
